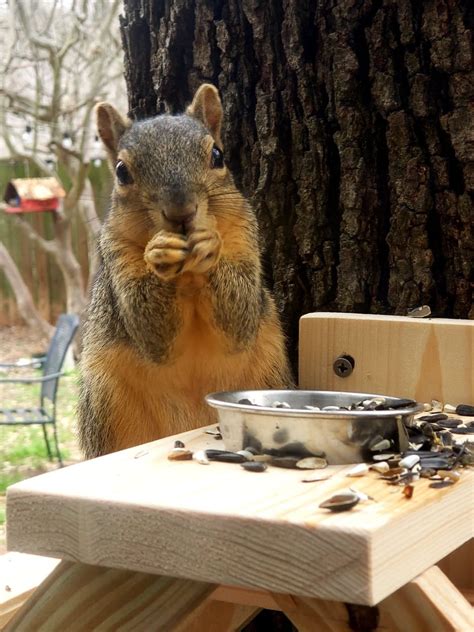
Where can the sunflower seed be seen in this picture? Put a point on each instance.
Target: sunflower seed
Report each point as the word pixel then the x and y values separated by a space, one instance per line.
pixel 341 502
pixel 180 454
pixel 179 444
pixel 224 456
pixel 288 462
pixel 360 469
pixel 311 463
pixel 433 417
pixel 252 466
pixel 262 458
pixel 383 457
pixel 380 445
pixel 409 461
pixel 449 408
pixel 380 467
pixel 465 409
pixel 453 475
pixel 316 478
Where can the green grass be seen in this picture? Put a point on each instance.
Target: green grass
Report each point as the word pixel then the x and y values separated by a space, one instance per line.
pixel 22 448
pixel 8 479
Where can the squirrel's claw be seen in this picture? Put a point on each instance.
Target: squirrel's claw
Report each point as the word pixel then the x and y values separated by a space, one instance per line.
pixel 165 253
pixel 205 250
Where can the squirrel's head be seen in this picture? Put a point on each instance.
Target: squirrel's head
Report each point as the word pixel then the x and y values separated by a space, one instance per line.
pixel 167 168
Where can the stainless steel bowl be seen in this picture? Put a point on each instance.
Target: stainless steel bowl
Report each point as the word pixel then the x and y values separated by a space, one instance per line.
pixel 345 436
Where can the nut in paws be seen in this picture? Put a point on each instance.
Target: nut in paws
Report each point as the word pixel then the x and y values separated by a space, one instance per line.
pixel 165 254
pixel 204 251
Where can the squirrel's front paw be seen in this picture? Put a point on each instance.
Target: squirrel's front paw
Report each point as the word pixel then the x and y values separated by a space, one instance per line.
pixel 204 251
pixel 165 254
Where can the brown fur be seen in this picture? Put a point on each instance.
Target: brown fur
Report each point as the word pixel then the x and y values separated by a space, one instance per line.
pixel 176 311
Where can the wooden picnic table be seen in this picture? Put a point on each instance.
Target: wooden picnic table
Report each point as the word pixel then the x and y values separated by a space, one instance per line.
pixel 217 526
pixel 152 544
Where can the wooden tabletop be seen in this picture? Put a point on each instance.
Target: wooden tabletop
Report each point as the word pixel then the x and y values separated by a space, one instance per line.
pixel 218 523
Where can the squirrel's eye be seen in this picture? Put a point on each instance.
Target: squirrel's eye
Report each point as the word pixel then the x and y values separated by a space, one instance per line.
pixel 122 173
pixel 217 158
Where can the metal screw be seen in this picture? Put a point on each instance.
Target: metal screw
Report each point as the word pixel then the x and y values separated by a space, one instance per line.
pixel 343 365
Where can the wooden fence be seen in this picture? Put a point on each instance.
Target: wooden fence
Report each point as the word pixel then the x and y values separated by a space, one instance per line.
pixel 38 269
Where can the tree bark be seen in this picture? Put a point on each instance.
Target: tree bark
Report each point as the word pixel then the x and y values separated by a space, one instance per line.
pixel 24 300
pixel 346 124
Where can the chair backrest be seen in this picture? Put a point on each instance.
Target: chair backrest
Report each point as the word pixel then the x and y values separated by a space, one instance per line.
pixel 66 327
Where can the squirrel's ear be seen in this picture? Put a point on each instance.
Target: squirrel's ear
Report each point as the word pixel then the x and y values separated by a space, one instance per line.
pixel 110 125
pixel 207 108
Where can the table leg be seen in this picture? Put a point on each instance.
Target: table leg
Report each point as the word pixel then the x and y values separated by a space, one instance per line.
pixel 218 616
pixel 79 598
pixel 429 602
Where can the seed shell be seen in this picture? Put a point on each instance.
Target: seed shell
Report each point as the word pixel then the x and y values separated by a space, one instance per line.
pixel 180 454
pixel 312 463
pixel 360 469
pixel 381 467
pixel 465 409
pixel 224 456
pixel 253 466
pixel 288 462
pixel 341 502
pixel 409 461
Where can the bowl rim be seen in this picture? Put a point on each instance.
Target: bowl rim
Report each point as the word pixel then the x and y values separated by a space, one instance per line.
pixel 213 399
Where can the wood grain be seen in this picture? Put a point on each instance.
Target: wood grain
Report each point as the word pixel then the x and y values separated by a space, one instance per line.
pixel 78 598
pixel 423 359
pixel 217 523
pixel 430 602
pixel 458 566
pixel 217 616
pixel 20 574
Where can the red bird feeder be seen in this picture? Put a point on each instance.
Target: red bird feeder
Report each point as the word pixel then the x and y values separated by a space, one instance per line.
pixel 32 195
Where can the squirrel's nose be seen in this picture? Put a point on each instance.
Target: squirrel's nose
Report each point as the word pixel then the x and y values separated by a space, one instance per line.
pixel 181 215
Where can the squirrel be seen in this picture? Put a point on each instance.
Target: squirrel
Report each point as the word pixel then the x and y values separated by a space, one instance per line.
pixel 178 308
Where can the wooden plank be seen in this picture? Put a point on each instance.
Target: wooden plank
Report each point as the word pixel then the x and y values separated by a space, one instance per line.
pixel 78 597
pixel 423 359
pixel 257 598
pixel 217 616
pixel 458 566
pixel 429 602
pixel 20 575
pixel 217 523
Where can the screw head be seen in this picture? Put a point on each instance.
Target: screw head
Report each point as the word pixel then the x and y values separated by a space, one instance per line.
pixel 343 366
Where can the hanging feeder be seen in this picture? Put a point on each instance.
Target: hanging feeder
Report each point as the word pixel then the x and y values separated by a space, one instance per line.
pixel 32 195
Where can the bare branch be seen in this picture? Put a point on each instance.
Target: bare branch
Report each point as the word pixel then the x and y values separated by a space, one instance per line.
pixel 23 297
pixel 36 39
pixel 48 245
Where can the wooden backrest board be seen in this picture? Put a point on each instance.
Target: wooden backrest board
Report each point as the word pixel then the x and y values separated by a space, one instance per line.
pixel 422 359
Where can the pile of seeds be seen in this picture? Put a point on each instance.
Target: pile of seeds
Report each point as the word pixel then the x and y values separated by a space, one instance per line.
pixel 248 458
pixel 373 403
pixel 433 453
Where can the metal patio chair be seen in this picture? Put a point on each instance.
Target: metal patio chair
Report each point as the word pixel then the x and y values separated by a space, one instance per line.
pixel 45 413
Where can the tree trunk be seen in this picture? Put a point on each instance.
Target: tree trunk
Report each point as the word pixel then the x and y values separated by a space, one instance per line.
pixel 347 127
pixel 24 300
